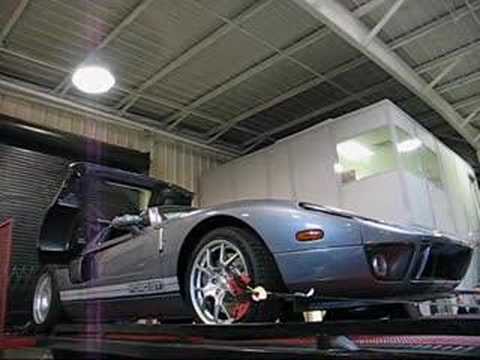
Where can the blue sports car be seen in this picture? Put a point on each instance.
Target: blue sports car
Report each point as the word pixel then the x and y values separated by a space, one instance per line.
pixel 117 245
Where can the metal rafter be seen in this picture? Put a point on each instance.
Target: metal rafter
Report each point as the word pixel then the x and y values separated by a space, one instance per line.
pixel 464 103
pixel 33 60
pixel 218 132
pixel 305 118
pixel 229 84
pixel 383 21
pixel 171 104
pixel 289 51
pixel 64 86
pixel 448 57
pixel 339 19
pixel 17 89
pixel 368 7
pixel 440 61
pixel 128 101
pixel 444 73
pixel 459 82
pixel 472 11
pixel 323 110
pixel 432 26
pixel 470 117
pixel 401 41
pixel 17 14
pixel 420 69
pixel 154 99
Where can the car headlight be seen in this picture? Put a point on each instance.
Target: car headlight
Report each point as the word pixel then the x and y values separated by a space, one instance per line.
pixel 389 261
pixel 380 266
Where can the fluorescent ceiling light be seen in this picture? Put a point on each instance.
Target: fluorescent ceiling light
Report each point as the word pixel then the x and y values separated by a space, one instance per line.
pixel 409 145
pixel 353 151
pixel 93 79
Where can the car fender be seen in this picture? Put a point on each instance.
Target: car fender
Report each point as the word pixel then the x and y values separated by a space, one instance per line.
pixel 275 221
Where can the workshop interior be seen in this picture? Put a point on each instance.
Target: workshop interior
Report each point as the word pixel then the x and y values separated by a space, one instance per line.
pixel 244 179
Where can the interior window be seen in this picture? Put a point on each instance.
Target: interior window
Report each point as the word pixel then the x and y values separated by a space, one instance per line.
pixel 418 158
pixel 368 154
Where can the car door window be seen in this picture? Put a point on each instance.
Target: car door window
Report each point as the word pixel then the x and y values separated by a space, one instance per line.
pixel 112 199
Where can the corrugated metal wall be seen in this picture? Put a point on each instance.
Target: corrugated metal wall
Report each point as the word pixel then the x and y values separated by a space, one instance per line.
pixel 172 161
pixel 28 183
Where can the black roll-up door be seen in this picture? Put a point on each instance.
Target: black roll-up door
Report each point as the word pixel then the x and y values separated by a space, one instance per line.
pixel 28 183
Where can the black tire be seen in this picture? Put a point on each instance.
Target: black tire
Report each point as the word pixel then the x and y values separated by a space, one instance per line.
pixel 261 266
pixel 54 310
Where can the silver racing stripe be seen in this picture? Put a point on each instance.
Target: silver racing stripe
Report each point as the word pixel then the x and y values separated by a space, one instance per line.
pixel 135 288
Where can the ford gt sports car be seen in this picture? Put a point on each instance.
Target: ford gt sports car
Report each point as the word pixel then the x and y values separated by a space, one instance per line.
pixel 117 245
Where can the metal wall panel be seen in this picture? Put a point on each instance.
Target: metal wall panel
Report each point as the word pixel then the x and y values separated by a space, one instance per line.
pixel 172 161
pixel 180 164
pixel 75 123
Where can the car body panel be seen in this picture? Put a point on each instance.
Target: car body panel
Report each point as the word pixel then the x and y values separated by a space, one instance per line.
pixel 139 274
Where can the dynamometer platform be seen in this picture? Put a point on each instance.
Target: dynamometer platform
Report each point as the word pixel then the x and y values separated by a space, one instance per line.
pixel 398 339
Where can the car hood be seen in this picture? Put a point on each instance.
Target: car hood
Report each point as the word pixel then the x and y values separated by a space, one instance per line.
pixel 379 225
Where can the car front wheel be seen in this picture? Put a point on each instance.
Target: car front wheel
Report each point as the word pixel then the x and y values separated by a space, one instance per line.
pixel 226 263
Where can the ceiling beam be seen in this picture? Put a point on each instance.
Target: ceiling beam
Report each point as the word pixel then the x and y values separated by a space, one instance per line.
pixel 403 40
pixel 17 14
pixel 323 110
pixel 168 103
pixel 218 132
pixel 459 82
pixel 470 117
pixel 305 118
pixel 427 66
pixel 128 101
pixel 31 59
pixel 289 51
pixel 367 8
pixel 471 101
pixel 15 88
pixel 65 85
pixel 448 57
pixel 344 24
pixel 383 21
pixel 426 29
pixel 231 83
pixel 472 11
pixel 444 73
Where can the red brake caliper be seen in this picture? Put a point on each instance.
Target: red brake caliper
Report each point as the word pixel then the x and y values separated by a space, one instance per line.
pixel 238 284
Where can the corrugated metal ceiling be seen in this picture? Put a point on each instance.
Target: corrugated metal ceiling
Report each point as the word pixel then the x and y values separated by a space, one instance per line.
pixel 239 72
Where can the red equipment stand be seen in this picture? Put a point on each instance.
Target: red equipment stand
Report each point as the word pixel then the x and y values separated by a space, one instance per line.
pixel 5 254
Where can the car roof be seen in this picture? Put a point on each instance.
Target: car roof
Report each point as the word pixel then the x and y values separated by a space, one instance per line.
pixel 123 176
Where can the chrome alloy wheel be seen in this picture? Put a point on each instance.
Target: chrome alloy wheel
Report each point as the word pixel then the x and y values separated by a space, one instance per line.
pixel 42 298
pixel 211 293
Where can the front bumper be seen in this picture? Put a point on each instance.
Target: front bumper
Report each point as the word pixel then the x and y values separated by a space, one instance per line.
pixel 435 266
